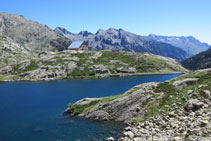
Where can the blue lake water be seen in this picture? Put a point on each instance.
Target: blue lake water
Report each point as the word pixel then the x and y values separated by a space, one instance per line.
pixel 32 111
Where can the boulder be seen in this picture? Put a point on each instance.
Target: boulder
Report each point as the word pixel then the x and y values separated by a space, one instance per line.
pixel 128 134
pixel 126 70
pixel 109 139
pixel 101 69
pixel 96 55
pixel 72 59
pixel 24 65
pixel 112 62
pixel 71 66
pixel 180 84
pixel 207 94
pixel 193 105
pixel 6 70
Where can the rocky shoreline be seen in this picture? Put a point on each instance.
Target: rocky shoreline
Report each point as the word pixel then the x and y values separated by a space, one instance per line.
pixel 46 66
pixel 176 110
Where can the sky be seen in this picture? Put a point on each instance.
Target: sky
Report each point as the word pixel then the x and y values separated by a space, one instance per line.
pixel 143 17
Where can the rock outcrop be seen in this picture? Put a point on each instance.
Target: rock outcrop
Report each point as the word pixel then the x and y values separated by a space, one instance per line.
pixel 31 34
pixel 179 109
pixel 21 64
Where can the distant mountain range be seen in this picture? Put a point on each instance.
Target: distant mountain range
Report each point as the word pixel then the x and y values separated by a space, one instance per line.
pixel 199 61
pixel 31 34
pixel 189 44
pixel 35 36
pixel 119 39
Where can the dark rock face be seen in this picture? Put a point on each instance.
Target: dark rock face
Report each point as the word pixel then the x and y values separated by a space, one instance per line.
pixel 199 61
pixel 189 44
pixel 31 34
pixel 118 39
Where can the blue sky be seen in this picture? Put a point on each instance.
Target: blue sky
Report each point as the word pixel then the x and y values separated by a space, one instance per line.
pixel 163 17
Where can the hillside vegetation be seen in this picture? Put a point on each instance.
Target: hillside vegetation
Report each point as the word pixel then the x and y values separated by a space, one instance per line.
pixel 79 64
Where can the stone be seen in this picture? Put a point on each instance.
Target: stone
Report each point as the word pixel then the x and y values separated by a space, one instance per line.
pixel 114 62
pixel 128 128
pixel 24 65
pixel 71 66
pixel 207 94
pixel 81 68
pixel 128 134
pixel 189 92
pixel 126 70
pixel 101 69
pixel 204 122
pixel 178 139
pixel 96 55
pixel 109 139
pixel 6 70
pixel 180 84
pixel 171 114
pixel 193 105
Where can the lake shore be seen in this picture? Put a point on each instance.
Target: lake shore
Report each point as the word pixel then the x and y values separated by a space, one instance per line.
pixel 19 79
pixel 144 106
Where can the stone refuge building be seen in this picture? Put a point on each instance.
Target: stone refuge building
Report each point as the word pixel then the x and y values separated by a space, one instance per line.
pixel 78 45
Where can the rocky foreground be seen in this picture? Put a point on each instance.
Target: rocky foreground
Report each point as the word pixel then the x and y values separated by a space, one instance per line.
pixel 177 110
pixel 19 63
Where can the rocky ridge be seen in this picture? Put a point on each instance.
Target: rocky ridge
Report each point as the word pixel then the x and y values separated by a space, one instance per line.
pixel 179 109
pixel 79 64
pixel 119 39
pixel 199 61
pixel 189 44
pixel 31 34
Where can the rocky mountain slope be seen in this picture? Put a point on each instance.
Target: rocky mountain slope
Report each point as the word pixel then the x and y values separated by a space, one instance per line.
pixel 12 54
pixel 199 61
pixel 79 64
pixel 31 34
pixel 179 109
pixel 189 44
pixel 118 39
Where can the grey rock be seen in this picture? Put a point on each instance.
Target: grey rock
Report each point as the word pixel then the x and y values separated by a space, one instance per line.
pixel 71 66
pixel 180 84
pixel 119 109
pixel 193 105
pixel 6 70
pixel 128 134
pixel 101 69
pixel 207 94
pixel 126 70
pixel 96 56
pixel 109 139
pixel 32 34
pixel 24 65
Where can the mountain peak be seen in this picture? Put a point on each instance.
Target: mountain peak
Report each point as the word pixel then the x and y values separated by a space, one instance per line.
pixel 100 31
pixel 85 33
pixel 61 30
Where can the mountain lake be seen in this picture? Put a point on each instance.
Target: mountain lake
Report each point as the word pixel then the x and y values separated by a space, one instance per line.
pixel 33 111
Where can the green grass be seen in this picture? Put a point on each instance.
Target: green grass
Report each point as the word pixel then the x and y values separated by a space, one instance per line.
pixel 32 66
pixel 75 110
pixel 3 77
pixel 173 96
